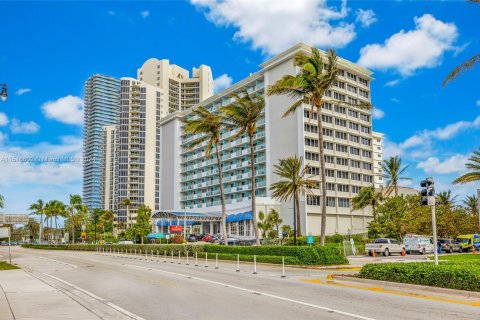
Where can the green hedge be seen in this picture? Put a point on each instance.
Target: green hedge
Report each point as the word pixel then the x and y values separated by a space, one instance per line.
pixel 458 275
pixel 302 255
pixel 270 254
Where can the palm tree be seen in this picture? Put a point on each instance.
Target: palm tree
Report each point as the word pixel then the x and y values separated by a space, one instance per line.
pixel 1 201
pixel 471 204
pixel 54 209
pixel 469 64
pixel 244 114
pixel 75 205
pixel 209 125
pixel 274 219
pixel 107 217
pixel 445 198
pixel 474 167
pixel 308 87
pixel 393 171
pixel 38 208
pixel 294 183
pixel 367 197
pixel 126 202
pixel 95 216
pixel 263 224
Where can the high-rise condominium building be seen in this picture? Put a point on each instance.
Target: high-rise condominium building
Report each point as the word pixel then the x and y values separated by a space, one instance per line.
pixel 180 91
pixel 101 109
pixel 109 168
pixel 138 149
pixel 351 153
pixel 377 142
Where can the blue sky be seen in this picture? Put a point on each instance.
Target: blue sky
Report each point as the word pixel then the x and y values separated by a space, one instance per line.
pixel 48 50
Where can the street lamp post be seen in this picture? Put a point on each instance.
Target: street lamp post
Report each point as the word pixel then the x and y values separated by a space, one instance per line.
pixel 4 94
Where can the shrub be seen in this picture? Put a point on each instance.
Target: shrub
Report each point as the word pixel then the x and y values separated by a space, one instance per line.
pixel 453 275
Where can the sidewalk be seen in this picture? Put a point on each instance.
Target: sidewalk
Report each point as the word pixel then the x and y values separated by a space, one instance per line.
pixel 29 298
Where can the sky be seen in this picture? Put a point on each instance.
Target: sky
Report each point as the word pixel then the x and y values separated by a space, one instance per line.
pixel 48 50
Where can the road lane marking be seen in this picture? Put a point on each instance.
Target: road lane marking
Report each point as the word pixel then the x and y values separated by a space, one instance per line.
pixel 399 293
pixel 352 315
pixel 65 263
pixel 94 296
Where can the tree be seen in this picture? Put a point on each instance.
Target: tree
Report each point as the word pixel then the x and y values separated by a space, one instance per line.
pixel 142 225
pixel 244 114
pixel 393 171
pixel 471 205
pixel 274 219
pixel 74 206
pixel 53 210
pixel 474 167
pixel 367 197
pixel 467 65
pixel 126 202
pixel 38 208
pixel 95 216
pixel 209 126
pixel 263 224
pixel 294 183
pixel 308 87
pixel 1 201
pixel 33 227
pixel 445 198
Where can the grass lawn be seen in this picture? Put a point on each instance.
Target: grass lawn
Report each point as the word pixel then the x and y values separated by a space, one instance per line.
pixel 6 266
pixel 458 257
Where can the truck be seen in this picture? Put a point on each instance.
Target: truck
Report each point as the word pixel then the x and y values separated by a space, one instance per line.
pixel 418 244
pixel 469 241
pixel 385 246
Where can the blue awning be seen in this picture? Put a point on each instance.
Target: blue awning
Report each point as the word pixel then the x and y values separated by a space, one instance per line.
pixel 168 223
pixel 240 217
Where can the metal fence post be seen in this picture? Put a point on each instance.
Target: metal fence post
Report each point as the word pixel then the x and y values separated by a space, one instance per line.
pixel 238 263
pixel 179 262
pixel 254 264
pixel 283 267
pixel 216 260
pixel 206 259
pixel 196 259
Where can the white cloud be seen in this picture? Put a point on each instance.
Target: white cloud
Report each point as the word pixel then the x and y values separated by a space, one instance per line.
pixel 453 164
pixel 111 13
pixel 392 83
pixel 24 127
pixel 67 109
pixel 222 82
pixel 3 119
pixel 273 26
pixel 3 138
pixel 408 51
pixel 378 113
pixel 365 17
pixel 145 14
pixel 21 91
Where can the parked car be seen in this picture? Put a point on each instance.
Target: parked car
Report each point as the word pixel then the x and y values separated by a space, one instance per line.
pixel 469 241
pixel 191 238
pixel 450 245
pixel 200 236
pixel 125 242
pixel 215 238
pixel 231 241
pixel 207 238
pixel 418 244
pixel 385 246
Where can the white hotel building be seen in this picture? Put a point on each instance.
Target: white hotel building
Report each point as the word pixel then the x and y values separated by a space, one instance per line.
pixel 352 150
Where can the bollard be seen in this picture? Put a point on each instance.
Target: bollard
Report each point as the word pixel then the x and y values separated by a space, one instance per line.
pixel 172 257
pixel 283 268
pixel 179 262
pixel 158 257
pixel 206 259
pixel 254 264
pixel 165 256
pixel 187 258
pixel 196 259
pixel 238 263
pixel 216 260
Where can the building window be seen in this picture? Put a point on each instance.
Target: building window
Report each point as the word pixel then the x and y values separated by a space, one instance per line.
pixel 331 202
pixel 343 202
pixel 342 174
pixel 341 148
pixel 313 200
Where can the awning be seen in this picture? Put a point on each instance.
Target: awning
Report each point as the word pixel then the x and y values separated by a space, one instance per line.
pixel 155 236
pixel 168 223
pixel 240 217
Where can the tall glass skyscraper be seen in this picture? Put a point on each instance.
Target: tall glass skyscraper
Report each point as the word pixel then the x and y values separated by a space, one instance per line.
pixel 101 109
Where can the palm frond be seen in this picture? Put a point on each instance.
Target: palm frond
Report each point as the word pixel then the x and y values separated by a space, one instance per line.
pixel 469 64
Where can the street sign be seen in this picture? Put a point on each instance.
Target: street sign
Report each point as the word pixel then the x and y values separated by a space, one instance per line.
pixel 176 229
pixel 84 235
pixel 4 232
pixel 310 239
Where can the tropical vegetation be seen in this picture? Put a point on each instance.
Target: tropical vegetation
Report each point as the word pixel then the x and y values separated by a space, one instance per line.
pixel 393 171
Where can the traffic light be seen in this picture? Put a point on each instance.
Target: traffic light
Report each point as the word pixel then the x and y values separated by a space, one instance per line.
pixel 428 193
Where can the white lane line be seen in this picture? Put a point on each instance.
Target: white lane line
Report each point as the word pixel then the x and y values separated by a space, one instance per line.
pixel 259 293
pixel 88 293
pixel 65 263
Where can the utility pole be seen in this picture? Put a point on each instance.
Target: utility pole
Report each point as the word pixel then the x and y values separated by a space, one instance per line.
pixel 428 199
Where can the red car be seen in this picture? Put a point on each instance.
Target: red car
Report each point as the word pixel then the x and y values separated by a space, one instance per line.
pixel 207 238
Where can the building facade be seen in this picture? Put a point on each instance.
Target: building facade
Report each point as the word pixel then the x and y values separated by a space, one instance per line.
pixel 350 153
pixel 138 148
pixel 101 109
pixel 109 168
pixel 180 90
pixel 377 143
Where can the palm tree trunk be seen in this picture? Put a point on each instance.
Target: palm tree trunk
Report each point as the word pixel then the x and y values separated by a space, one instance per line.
pixel 323 183
pixel 298 227
pixel 56 225
pixel 222 195
pixel 254 188
pixel 40 227
pixel 73 228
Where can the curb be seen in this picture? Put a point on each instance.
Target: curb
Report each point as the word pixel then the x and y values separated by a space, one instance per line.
pixel 413 288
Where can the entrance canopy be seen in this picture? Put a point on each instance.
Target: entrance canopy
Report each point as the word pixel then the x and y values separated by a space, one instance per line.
pixel 167 218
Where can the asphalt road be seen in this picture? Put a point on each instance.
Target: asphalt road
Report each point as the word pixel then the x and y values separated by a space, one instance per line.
pixel 146 289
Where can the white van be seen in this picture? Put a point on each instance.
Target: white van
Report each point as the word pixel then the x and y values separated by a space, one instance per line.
pixel 125 242
pixel 418 244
